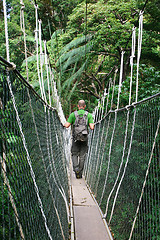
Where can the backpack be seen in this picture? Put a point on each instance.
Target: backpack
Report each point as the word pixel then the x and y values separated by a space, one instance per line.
pixel 80 127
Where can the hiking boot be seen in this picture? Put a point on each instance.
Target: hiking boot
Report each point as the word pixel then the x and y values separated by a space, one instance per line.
pixel 78 175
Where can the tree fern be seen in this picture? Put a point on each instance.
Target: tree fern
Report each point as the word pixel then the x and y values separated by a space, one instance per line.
pixel 71 64
pixel 70 80
pixel 57 32
pixel 30 38
pixel 74 43
pixel 71 91
pixel 30 60
pixel 73 55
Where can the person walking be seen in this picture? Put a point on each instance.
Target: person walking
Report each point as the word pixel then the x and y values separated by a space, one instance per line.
pixel 81 120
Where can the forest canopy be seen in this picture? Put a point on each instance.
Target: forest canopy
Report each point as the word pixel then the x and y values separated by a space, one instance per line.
pixel 84 42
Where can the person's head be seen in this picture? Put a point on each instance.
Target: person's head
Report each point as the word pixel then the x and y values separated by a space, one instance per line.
pixel 81 104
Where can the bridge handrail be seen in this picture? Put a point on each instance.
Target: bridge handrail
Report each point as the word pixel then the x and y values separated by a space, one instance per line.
pixel 27 84
pixel 128 106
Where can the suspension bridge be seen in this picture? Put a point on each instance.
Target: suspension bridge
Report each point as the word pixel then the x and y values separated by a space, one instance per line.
pixel 118 197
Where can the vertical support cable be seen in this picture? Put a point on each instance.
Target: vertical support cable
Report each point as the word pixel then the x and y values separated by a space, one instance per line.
pixel 139 49
pixel 108 97
pixel 120 79
pixel 85 33
pixel 36 39
pixel 22 23
pixel 131 60
pixel 114 81
pixel 51 75
pixel 6 30
pixel 103 100
pixel 46 63
pixel 41 58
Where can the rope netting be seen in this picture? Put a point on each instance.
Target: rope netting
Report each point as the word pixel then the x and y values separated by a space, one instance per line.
pixel 34 164
pixel 122 167
pixel 123 171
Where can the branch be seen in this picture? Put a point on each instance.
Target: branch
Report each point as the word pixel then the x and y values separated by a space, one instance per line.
pixel 106 54
pixel 100 66
pixel 134 12
pixel 91 92
pixel 97 80
pixel 94 87
pixel 93 78
pixel 105 77
pixel 28 53
pixel 120 18
pixel 125 68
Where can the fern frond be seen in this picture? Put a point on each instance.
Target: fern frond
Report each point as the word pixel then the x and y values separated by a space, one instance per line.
pixel 77 51
pixel 76 42
pixel 69 81
pixel 29 59
pixel 68 97
pixel 57 32
pixel 73 59
pixel 74 69
pixel 30 38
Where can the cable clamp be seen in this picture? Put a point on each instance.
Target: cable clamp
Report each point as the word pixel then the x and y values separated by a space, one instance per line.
pixel 21 2
pixel 141 13
pixel 23 7
pixel 12 68
pixel 134 28
pixel 116 70
pixel 134 104
pixel 127 107
pixel 111 111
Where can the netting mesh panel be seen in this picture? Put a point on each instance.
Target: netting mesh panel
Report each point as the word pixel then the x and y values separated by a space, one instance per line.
pixel 35 184
pixel 119 153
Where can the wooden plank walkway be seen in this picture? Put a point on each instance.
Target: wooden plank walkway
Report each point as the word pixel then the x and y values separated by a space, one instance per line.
pixel 88 222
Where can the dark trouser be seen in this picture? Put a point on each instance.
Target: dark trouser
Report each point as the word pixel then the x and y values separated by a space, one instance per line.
pixel 79 150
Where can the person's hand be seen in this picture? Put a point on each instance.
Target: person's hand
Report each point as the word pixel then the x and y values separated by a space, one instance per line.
pixel 67 125
pixel 91 125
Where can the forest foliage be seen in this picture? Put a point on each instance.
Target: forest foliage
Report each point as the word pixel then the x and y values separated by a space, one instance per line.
pixel 84 42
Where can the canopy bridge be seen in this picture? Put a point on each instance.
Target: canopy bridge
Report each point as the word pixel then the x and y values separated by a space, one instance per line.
pixel 118 197
pixel 122 167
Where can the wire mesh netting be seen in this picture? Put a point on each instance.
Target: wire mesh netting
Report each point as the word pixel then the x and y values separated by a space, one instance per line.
pixel 123 170
pixel 122 167
pixel 34 167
